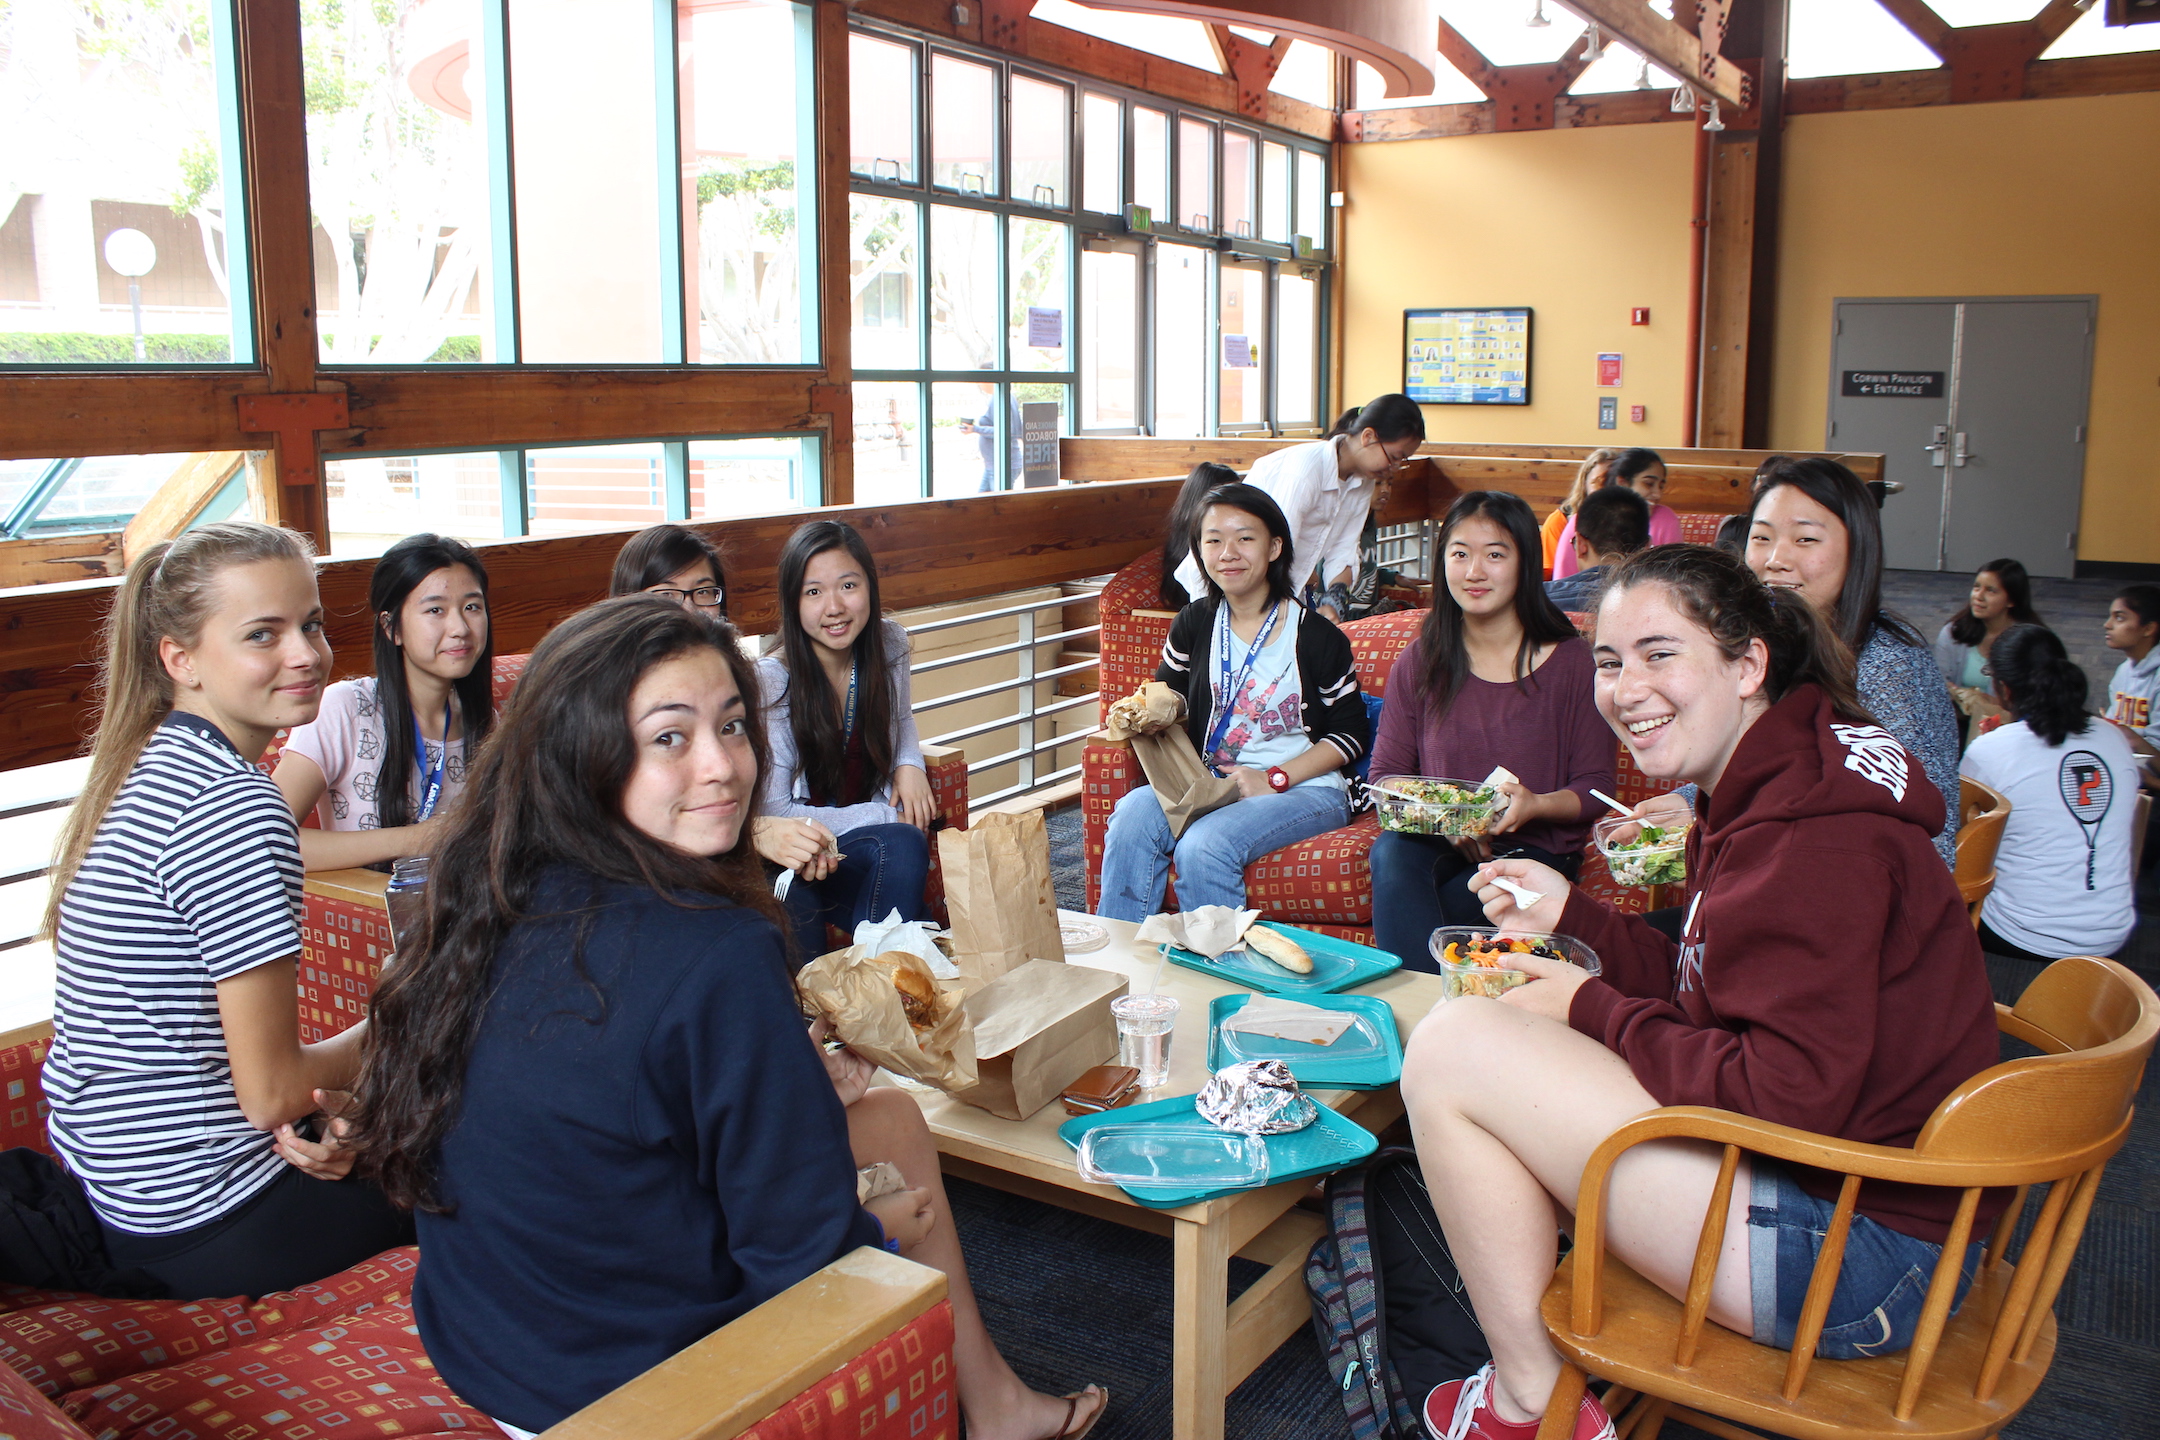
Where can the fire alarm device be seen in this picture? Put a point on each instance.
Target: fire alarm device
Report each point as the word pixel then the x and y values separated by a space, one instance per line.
pixel 1638 413
pixel 1640 315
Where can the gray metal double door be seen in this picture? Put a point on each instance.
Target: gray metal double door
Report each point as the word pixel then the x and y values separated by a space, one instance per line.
pixel 1979 407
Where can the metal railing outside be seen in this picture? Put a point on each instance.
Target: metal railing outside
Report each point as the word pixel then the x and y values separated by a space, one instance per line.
pixel 1407 548
pixel 1030 713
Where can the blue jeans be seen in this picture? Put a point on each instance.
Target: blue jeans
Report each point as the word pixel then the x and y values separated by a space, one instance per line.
pixel 1422 882
pixel 1212 853
pixel 882 868
pixel 1881 1286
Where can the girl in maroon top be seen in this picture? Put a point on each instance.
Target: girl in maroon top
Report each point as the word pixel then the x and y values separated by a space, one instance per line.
pixel 1497 677
pixel 1826 978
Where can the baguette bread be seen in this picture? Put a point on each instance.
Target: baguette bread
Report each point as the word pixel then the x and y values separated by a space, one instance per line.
pixel 1279 948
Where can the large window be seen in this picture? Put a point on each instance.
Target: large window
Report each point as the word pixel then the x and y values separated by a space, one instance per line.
pixel 562 181
pixel 1066 254
pixel 122 233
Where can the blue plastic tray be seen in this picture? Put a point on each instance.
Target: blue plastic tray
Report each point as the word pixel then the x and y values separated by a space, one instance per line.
pixel 1329 1143
pixel 1353 1062
pixel 1337 965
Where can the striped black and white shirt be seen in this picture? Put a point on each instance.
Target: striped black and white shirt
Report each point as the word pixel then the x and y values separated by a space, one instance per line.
pixel 193 877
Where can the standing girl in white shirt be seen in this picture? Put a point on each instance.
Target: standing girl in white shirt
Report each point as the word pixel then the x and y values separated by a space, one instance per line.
pixel 1324 490
pixel 387 753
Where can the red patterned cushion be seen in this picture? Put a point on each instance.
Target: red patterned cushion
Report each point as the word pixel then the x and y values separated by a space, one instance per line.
pixel 27 1415
pixel 22 1118
pixel 948 774
pixel 1378 641
pixel 1326 879
pixel 901 1388
pixel 1697 528
pixel 360 1377
pixel 83 1340
pixel 1130 644
pixel 342 945
pixel 503 679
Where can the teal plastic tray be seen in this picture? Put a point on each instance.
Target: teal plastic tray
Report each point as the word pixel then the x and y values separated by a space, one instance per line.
pixel 1329 1143
pixel 1337 965
pixel 1363 1058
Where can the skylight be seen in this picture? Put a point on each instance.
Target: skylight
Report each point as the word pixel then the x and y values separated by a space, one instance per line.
pixel 1185 41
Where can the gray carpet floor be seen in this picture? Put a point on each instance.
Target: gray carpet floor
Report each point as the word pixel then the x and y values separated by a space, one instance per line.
pixel 1072 1299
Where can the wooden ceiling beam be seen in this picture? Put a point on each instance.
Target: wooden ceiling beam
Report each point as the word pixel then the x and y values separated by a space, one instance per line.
pixel 1249 63
pixel 1925 25
pixel 1388 35
pixel 1523 96
pixel 1669 44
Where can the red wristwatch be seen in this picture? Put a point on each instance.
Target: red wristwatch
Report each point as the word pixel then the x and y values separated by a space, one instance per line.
pixel 1278 779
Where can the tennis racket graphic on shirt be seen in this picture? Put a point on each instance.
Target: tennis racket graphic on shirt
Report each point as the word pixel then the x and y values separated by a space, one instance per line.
pixel 2087 788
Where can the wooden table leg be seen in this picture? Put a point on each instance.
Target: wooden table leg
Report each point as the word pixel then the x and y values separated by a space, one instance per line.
pixel 1198 1351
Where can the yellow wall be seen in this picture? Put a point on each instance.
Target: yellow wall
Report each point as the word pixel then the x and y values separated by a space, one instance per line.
pixel 2033 197
pixel 1581 225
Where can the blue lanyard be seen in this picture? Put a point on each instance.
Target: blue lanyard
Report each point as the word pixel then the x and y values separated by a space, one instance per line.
pixel 1226 697
pixel 847 718
pixel 431 781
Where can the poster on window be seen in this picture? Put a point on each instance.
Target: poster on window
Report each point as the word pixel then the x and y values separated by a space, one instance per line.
pixel 1467 357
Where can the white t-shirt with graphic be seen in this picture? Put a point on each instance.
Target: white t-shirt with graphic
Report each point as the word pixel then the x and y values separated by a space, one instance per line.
pixel 1267 722
pixel 346 742
pixel 2062 873
pixel 2135 697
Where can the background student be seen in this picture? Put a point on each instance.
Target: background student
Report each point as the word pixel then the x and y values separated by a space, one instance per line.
pixel 1325 488
pixel 846 802
pixel 1611 525
pixel 1850 1012
pixel 2062 872
pixel 387 753
pixel 1271 701
pixel 593 1079
pixel 1642 471
pixel 1589 476
pixel 177 1074
pixel 2133 629
pixel 2001 597
pixel 1178 529
pixel 1497 676
pixel 674 562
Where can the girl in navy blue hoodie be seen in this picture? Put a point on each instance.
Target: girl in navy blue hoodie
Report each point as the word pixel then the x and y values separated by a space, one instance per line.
pixel 591 1077
pixel 1826 978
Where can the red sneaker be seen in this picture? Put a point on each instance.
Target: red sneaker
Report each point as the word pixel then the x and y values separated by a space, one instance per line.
pixel 1459 1410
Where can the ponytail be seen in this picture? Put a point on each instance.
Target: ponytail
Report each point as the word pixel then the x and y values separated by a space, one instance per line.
pixel 1592 470
pixel 2045 687
pixel 1391 417
pixel 1718 592
pixel 168 594
pixel 1345 424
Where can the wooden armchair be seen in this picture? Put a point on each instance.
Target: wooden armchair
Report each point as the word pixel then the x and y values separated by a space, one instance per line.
pixel 2053 1119
pixel 1985 811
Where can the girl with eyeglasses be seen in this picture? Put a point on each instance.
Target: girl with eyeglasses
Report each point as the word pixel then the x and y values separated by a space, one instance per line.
pixel 1325 489
pixel 675 563
pixel 387 754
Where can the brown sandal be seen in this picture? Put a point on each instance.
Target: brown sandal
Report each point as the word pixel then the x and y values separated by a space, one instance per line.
pixel 1072 1412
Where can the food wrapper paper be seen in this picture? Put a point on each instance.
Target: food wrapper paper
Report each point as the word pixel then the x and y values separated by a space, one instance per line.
pixel 912 937
pixel 1257 1097
pixel 880 1178
pixel 1211 930
pixel 1149 710
pixel 1290 1020
pixel 853 989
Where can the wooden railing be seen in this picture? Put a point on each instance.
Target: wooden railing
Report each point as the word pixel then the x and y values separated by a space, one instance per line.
pixel 929 552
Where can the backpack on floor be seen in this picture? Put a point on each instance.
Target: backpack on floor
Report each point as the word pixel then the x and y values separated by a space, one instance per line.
pixel 1388 1307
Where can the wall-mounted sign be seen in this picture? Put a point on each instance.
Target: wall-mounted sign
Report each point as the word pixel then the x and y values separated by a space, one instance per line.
pixel 1045 328
pixel 1608 369
pixel 1894 384
pixel 1467 357
pixel 1608 412
pixel 1038 444
pixel 1139 219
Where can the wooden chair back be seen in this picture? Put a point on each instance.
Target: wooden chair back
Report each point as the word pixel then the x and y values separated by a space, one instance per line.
pixel 1984 811
pixel 2052 1119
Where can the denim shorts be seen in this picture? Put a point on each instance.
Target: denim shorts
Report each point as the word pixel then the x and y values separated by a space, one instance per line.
pixel 1881 1287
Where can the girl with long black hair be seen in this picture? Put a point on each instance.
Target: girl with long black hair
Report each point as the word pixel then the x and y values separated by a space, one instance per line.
pixel 1325 488
pixel 2062 871
pixel 2001 597
pixel 1496 677
pixel 1177 530
pixel 591 1076
pixel 388 753
pixel 846 795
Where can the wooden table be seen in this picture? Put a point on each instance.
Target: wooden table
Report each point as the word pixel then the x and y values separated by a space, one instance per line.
pixel 1218 1342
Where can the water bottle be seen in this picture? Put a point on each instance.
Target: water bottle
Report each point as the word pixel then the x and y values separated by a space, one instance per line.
pixel 407 900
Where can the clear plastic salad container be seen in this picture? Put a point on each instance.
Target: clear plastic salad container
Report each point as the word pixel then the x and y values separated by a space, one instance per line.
pixel 1420 805
pixel 1460 949
pixel 1642 854
pixel 1172 1158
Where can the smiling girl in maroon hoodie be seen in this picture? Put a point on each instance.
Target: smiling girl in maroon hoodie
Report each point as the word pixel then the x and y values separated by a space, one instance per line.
pixel 1826 978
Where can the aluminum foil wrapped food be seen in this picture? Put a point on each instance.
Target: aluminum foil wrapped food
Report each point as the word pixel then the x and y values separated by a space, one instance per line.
pixel 1256 1097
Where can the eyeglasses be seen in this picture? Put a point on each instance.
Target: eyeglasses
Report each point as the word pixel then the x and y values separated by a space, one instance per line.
pixel 706 597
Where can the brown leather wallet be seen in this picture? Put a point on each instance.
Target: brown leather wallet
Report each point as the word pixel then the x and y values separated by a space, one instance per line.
pixel 1103 1088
